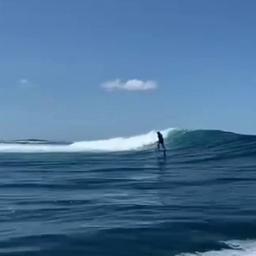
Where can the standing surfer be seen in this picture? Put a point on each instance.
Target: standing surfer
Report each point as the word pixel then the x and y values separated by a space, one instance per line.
pixel 160 142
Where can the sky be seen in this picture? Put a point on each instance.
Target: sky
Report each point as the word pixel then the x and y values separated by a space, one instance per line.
pixel 92 69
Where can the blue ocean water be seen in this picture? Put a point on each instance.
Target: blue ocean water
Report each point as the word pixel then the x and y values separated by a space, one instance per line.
pixel 61 199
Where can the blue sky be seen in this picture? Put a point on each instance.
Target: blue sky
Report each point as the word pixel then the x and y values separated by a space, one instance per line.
pixel 57 56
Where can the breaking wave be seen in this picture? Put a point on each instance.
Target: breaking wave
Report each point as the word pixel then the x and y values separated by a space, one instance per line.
pixel 219 142
pixel 113 144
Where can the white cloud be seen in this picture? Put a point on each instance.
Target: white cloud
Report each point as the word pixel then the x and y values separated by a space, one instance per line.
pixel 129 85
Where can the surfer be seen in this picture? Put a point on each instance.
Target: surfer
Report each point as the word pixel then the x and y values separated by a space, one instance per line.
pixel 160 141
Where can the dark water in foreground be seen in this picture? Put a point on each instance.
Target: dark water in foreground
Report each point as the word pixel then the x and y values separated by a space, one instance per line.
pixel 200 198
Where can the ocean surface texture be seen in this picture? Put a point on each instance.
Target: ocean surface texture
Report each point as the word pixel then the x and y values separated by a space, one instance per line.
pixel 120 197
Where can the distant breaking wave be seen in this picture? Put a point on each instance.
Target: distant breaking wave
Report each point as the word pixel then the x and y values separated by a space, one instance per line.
pixel 219 143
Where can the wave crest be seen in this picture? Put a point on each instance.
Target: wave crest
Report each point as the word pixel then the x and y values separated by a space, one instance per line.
pixel 222 144
pixel 110 145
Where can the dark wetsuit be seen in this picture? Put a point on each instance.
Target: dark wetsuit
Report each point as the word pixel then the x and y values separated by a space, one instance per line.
pixel 160 141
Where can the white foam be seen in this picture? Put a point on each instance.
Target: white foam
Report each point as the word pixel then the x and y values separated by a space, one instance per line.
pixel 237 248
pixel 113 144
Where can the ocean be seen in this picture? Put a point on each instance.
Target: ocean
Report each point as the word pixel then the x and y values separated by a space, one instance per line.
pixel 120 197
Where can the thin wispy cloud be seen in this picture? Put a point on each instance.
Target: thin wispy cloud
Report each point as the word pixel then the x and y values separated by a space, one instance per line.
pixel 130 85
pixel 25 83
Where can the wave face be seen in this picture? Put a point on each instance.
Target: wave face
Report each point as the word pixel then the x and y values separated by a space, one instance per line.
pixel 175 139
